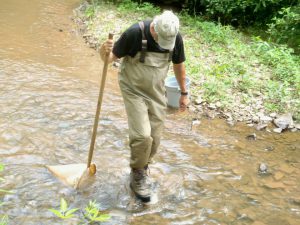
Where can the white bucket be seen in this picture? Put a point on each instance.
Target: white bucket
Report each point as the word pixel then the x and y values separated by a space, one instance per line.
pixel 173 90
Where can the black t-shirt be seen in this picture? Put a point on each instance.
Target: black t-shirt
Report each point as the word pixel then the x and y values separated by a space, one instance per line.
pixel 130 43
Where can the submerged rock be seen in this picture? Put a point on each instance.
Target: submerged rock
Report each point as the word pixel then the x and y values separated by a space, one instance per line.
pixel 277 130
pixel 269 148
pixel 251 137
pixel 284 121
pixel 261 126
pixel 262 168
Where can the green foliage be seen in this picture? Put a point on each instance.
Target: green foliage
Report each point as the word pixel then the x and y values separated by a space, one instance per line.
pixel 63 212
pixel 1 179
pixel 285 26
pixel 238 11
pixel 90 11
pixel 285 65
pixel 4 220
pixel 215 90
pixel 146 9
pixel 277 95
pixel 92 213
pixel 281 16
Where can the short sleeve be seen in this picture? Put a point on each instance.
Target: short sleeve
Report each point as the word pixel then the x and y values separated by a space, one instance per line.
pixel 128 43
pixel 178 53
pixel 121 46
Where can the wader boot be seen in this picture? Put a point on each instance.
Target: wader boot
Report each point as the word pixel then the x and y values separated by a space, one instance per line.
pixel 140 184
pixel 141 81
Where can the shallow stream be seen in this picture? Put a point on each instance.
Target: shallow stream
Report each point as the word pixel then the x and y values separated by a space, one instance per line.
pixel 206 174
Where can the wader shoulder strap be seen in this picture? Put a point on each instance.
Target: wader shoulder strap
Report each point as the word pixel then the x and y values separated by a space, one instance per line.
pixel 144 42
pixel 170 55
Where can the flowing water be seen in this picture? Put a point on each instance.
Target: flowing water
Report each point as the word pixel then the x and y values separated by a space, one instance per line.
pixel 49 83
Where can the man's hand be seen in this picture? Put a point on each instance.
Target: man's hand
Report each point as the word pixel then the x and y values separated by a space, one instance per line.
pixel 108 45
pixel 184 101
pixel 106 48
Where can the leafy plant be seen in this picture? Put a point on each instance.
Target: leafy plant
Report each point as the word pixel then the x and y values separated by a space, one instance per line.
pixel 92 213
pixel 285 26
pixel 147 9
pixel 1 179
pixel 64 212
pixel 4 220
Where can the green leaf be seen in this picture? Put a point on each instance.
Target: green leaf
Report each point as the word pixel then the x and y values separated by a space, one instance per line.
pixel 4 220
pixel 71 211
pixel 63 205
pixel 102 218
pixel 57 213
pixel 1 167
pixel 6 191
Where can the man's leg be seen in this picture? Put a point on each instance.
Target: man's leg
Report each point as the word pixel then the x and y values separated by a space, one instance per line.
pixel 157 115
pixel 140 142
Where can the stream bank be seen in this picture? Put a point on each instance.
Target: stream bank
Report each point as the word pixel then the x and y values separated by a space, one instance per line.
pixel 94 23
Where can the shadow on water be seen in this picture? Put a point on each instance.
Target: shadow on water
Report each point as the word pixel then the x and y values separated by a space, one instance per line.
pixel 48 93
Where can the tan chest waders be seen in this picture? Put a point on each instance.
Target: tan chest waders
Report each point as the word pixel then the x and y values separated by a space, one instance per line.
pixel 141 81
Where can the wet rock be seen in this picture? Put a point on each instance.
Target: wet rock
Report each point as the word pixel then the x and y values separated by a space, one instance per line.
pixel 269 148
pixel 195 122
pixel 268 130
pixel 297 125
pixel 231 122
pixel 212 106
pixel 240 119
pixel 33 203
pixel 255 119
pixel 262 168
pixel 265 119
pixel 273 115
pixel 247 213
pixel 284 121
pixel 277 130
pixel 218 104
pixel 251 137
pixel 192 109
pixel 294 130
pixel 261 126
pixel 210 114
pixel 11 198
pixel 198 100
pixel 296 201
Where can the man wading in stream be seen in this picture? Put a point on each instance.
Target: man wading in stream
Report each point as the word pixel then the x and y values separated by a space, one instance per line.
pixel 147 48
